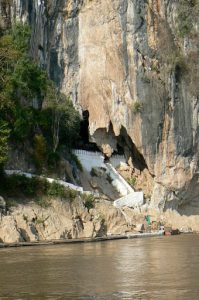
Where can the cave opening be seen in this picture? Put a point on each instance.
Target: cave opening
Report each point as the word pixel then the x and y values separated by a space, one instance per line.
pixel 120 150
pixel 124 144
pixel 84 142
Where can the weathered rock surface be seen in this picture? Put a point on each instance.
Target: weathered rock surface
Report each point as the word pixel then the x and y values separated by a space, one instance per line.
pixel 64 220
pixel 61 220
pixel 126 63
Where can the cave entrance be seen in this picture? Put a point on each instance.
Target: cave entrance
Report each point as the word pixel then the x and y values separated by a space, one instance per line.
pixel 84 142
pixel 120 150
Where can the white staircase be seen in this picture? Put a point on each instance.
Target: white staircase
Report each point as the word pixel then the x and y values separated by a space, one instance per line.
pixel 118 181
pixel 91 160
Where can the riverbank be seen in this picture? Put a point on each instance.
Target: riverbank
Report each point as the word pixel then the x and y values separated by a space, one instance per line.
pixel 63 241
pixel 83 240
pixel 86 240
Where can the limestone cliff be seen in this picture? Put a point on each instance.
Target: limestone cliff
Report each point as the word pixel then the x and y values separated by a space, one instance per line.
pixel 133 65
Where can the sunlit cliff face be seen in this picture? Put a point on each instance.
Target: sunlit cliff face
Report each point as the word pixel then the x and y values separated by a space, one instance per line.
pixel 130 66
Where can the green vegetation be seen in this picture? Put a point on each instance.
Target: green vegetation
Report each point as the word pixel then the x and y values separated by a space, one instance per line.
pixel 33 112
pixel 137 107
pixel 94 172
pixel 4 136
pixel 40 151
pixel 181 63
pixel 37 188
pixel 177 51
pixel 57 190
pixel 77 162
pixel 40 221
pixel 43 201
pixel 132 181
pixel 89 200
pixel 65 120
pixel 187 15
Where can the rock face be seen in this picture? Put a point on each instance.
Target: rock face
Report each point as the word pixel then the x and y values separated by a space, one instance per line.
pixel 131 65
pixel 65 220
pixel 61 220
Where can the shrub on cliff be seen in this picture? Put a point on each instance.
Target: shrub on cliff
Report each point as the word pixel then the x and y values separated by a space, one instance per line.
pixel 132 181
pixel 89 200
pixel 4 136
pixel 34 188
pixel 40 151
pixel 186 17
pixel 136 107
pixel 64 119
pixel 30 104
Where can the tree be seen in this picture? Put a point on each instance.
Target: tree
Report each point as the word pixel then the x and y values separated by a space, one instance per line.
pixel 4 136
pixel 8 57
pixel 65 120
pixel 40 151
pixel 29 80
pixel 32 106
pixel 70 124
pixel 13 49
pixel 55 102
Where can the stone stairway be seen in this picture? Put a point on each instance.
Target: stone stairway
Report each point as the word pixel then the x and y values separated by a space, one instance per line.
pixel 91 160
pixel 118 181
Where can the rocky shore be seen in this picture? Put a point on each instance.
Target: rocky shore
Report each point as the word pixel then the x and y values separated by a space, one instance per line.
pixel 64 221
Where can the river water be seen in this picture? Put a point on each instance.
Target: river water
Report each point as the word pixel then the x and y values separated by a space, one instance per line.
pixel 148 268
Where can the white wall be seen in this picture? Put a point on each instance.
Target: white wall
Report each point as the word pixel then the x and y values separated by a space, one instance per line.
pixel 135 199
pixel 116 160
pixel 89 159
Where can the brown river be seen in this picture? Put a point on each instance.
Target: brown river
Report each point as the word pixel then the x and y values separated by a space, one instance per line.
pixel 148 268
